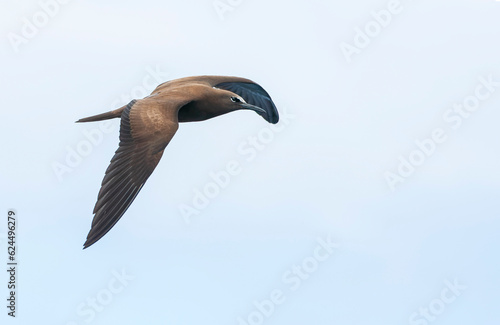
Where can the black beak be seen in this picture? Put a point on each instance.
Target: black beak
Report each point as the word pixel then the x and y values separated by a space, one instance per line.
pixel 269 113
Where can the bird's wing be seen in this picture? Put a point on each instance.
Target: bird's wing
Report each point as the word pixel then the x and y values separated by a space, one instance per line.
pixel 147 126
pixel 253 94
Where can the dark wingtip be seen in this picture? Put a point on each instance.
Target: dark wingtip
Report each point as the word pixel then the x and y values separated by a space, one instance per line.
pixel 275 119
pixel 87 245
pixel 91 240
pixel 254 95
pixel 272 114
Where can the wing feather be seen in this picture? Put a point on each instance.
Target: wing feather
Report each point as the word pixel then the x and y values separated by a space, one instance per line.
pixel 253 94
pixel 146 129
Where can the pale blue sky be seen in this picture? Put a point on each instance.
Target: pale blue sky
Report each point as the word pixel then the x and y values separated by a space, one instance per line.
pixel 322 174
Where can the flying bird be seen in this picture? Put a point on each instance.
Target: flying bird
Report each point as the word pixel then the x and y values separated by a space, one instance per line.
pixel 148 125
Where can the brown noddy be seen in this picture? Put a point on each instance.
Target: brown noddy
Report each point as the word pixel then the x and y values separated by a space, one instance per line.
pixel 148 125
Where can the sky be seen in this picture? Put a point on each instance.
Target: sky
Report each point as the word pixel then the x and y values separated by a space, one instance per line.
pixel 374 200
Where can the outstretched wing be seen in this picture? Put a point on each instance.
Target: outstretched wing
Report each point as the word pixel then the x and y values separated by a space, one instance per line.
pixel 146 129
pixel 253 94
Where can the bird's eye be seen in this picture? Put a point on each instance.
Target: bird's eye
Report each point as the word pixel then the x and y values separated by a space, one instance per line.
pixel 235 100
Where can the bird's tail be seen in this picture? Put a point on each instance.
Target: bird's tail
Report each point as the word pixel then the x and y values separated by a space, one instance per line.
pixel 103 116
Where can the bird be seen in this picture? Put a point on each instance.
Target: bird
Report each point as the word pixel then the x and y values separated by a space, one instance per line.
pixel 148 125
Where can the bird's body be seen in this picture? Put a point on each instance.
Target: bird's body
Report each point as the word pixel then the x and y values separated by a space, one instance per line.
pixel 148 125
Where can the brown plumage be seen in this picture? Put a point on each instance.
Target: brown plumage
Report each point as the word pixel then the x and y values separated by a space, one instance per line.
pixel 148 125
